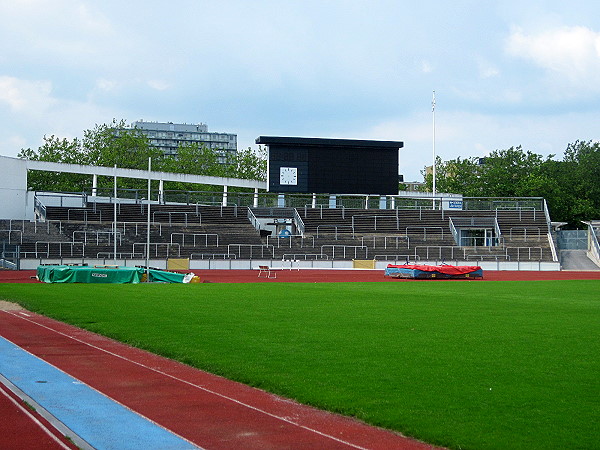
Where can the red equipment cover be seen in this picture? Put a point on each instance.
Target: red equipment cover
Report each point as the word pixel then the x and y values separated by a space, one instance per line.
pixel 450 270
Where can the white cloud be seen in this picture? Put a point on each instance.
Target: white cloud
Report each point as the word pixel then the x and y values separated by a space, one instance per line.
pixel 32 97
pixel 571 52
pixel 30 109
pixel 159 85
pixel 487 70
pixel 106 85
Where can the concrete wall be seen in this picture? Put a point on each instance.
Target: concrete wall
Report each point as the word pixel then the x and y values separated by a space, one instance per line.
pixel 14 202
pixel 247 264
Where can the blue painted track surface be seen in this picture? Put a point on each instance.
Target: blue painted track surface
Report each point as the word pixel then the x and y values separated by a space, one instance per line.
pixel 98 420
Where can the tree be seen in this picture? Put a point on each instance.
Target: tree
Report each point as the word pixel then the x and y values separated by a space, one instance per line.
pixel 193 159
pixel 571 187
pixel 248 164
pixel 456 176
pixel 55 149
pixel 105 145
pixel 581 178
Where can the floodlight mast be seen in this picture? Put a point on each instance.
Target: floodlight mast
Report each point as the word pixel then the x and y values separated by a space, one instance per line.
pixel 433 150
pixel 115 217
pixel 148 223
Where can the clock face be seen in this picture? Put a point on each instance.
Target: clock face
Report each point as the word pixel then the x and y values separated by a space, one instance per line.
pixel 288 176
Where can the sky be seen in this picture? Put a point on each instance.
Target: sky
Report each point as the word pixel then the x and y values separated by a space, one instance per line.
pixel 505 73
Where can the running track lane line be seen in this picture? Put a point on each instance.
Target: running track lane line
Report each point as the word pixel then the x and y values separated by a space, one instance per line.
pixel 396 440
pixel 96 419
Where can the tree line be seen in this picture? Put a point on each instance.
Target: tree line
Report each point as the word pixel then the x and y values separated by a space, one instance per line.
pixel 129 148
pixel 571 186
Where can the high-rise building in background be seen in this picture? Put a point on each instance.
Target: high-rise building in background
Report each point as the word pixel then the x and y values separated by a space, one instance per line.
pixel 168 136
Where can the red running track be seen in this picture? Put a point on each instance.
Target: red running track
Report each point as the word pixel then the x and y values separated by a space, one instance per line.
pixel 208 410
pixel 336 276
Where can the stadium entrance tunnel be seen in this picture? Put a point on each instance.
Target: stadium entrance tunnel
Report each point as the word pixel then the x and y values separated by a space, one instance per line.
pixel 478 237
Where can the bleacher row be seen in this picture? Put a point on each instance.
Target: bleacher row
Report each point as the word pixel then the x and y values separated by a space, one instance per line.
pixel 215 232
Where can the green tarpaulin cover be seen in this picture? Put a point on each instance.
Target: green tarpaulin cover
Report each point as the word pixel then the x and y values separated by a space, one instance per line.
pixel 167 277
pixel 84 274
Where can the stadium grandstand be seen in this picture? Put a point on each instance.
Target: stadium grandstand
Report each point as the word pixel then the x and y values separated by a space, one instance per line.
pixel 244 230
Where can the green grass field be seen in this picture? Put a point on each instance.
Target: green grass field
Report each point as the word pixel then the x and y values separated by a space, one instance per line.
pixel 509 364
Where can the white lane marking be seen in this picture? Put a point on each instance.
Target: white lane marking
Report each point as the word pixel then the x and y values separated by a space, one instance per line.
pixel 35 420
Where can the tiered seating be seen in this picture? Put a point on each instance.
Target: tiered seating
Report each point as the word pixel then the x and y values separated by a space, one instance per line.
pixel 207 232
pixel 423 234
pixel 180 231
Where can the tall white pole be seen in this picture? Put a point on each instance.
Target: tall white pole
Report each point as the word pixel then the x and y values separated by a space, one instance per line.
pixel 115 218
pixel 148 223
pixel 433 166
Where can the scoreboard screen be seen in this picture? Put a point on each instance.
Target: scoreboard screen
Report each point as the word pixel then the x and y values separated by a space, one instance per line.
pixel 331 166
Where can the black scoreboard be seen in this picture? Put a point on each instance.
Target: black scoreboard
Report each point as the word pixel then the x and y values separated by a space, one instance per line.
pixel 331 166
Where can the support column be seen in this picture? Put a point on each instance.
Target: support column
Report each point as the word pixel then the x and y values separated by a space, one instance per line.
pixel 332 201
pixel 314 201
pixel 255 203
pixel 382 202
pixel 161 192
pixel 224 195
pixel 95 185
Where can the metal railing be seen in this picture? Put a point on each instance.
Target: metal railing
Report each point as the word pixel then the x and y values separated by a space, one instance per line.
pixel 440 251
pixel 120 255
pixel 305 256
pixel 322 206
pixel 57 247
pixel 193 237
pixel 346 251
pixel 593 245
pixel 441 229
pixel 85 214
pixel 385 239
pixel 254 249
pixel 39 209
pixel 375 217
pixel 487 257
pixel 481 241
pixel 156 245
pixel 253 220
pixel 213 256
pixel 288 240
pixel 107 237
pixel 454 231
pixel 299 222
pixel 10 232
pixel 171 214
pixel 523 235
pixel 10 256
pixel 538 253
pixel 335 227
pixel 396 257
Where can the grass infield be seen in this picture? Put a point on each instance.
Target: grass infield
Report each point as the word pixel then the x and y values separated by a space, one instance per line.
pixel 506 364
